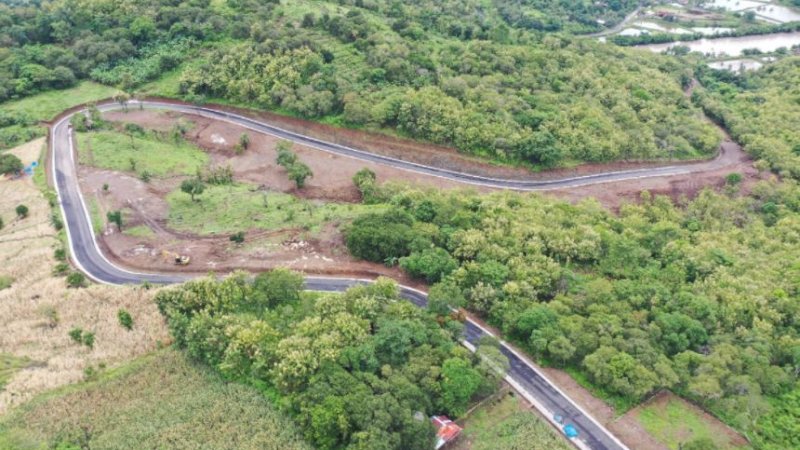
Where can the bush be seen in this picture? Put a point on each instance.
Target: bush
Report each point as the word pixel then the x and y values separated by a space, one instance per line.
pixel 76 334
pixel 76 280
pixel 10 164
pixel 22 211
pixel 237 237
pixel 1 223
pixel 733 179
pixel 365 181
pixel 125 319
pixel 61 269
pixel 60 254
pixel 88 339
pixel 55 220
pixel 5 282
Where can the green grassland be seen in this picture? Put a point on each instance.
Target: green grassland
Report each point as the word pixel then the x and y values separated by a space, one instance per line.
pixel 23 115
pixel 140 231
pixel 504 425
pixel 241 206
pixel 675 423
pixel 48 104
pixel 158 401
pixel 115 151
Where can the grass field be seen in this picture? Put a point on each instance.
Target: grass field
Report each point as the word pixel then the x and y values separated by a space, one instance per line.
pixel 241 207
pixel 674 422
pixel 48 104
pixel 159 401
pixel 116 151
pixel 43 107
pixel 505 425
pixel 140 231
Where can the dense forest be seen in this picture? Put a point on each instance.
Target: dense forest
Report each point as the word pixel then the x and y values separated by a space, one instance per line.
pixel 361 370
pixel 701 298
pixel 761 109
pixel 452 73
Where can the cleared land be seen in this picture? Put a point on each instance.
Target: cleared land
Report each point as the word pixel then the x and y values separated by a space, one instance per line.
pixel 241 206
pixel 506 423
pixel 48 104
pixel 38 311
pixel 161 400
pixel 113 150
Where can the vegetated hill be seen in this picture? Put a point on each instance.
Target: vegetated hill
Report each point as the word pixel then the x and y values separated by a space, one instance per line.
pixel 761 109
pixel 453 73
pixel 702 299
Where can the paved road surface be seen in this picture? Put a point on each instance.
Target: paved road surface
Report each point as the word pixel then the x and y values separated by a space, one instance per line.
pixel 522 375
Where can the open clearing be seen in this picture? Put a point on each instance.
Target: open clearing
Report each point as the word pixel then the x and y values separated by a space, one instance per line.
pixel 37 311
pixel 49 104
pixel 115 151
pixel 161 400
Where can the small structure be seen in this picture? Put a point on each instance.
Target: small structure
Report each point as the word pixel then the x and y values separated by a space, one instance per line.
pixel 446 430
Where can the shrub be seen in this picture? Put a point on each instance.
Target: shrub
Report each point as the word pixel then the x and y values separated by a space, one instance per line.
pixel 22 211
pixel 299 172
pixel 115 217
pixel 76 334
pixel 10 164
pixel 55 220
pixel 1 223
pixel 76 280
pixel 244 141
pixel 733 179
pixel 365 181
pixel 125 319
pixel 237 237
pixel 145 176
pixel 60 254
pixel 61 269
pixel 88 339
pixel 5 282
pixel 193 187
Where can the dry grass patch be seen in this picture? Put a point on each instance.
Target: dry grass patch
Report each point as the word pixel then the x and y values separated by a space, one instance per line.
pixel 37 310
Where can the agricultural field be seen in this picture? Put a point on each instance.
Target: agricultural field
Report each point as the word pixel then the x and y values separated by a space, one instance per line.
pixel 38 310
pixel 115 409
pixel 506 423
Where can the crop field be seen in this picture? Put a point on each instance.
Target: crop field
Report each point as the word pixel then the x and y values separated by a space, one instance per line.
pixel 37 310
pixel 161 400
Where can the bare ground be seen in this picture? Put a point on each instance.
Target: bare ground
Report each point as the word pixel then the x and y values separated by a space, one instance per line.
pixel 38 310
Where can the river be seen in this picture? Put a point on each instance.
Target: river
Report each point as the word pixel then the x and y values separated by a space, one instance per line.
pixel 733 46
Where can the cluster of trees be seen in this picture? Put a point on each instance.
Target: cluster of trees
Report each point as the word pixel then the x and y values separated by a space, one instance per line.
pixel 460 73
pixel 761 111
pixel 296 170
pixel 701 299
pixel 582 16
pixel 536 101
pixel 362 369
pixel 749 30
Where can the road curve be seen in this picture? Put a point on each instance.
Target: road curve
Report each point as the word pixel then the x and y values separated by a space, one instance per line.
pixel 522 375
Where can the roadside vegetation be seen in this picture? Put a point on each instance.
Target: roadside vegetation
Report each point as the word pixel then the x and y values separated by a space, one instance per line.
pixel 195 408
pixel 238 206
pixel 698 298
pixel 362 369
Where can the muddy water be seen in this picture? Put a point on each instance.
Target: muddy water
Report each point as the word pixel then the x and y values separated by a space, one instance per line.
pixel 735 45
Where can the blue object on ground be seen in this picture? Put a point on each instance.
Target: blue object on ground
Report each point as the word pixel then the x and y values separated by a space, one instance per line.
pixel 570 431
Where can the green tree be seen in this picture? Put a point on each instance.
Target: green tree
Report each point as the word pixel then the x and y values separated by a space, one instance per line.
pixel 432 264
pixel 277 287
pixel 193 187
pixel 459 383
pixel 299 172
pixel 115 217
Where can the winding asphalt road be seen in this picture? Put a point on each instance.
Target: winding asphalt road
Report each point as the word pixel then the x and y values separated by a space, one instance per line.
pixel 522 375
